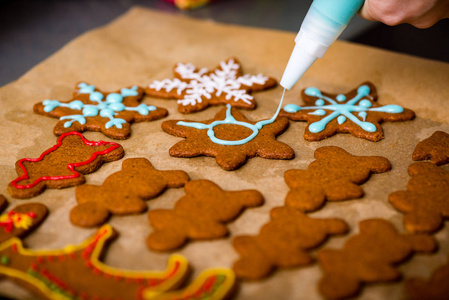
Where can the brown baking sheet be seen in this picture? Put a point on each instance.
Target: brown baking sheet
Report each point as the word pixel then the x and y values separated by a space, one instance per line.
pixel 142 46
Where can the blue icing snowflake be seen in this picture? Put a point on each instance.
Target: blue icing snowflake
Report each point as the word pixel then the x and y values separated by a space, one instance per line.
pixel 106 108
pixel 342 111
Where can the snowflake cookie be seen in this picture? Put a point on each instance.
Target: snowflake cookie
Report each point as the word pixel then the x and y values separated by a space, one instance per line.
pixel 93 110
pixel 196 89
pixel 229 137
pixel 356 112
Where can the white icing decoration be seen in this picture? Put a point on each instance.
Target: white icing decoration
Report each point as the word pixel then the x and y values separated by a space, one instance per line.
pixel 199 85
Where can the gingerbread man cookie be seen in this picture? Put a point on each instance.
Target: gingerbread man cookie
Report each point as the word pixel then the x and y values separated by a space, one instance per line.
pixel 436 288
pixel 201 214
pixel 370 256
pixel 63 165
pixel 93 110
pixel 229 137
pixel 356 112
pixel 76 272
pixel 425 203
pixel 123 192
pixel 196 89
pixel 283 242
pixel 20 220
pixel 335 175
pixel 435 148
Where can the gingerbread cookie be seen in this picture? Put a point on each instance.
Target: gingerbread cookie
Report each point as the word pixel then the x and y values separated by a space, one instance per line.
pixel 425 203
pixel 356 112
pixel 200 214
pixel 435 148
pixel 123 192
pixel 93 110
pixel 370 256
pixel 63 165
pixel 196 89
pixel 20 220
pixel 229 137
pixel 76 272
pixel 436 288
pixel 335 175
pixel 283 242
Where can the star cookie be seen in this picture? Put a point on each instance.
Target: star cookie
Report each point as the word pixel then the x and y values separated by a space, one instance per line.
pixel 123 192
pixel 229 125
pixel 196 89
pixel 356 112
pixel 93 110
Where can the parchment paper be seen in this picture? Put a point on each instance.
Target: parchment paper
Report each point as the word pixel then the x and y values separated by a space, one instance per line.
pixel 142 46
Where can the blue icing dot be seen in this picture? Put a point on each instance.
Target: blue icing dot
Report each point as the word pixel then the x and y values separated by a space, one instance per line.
pixel 143 109
pixel 368 126
pixel 76 105
pixel 129 92
pixel 316 127
pixel 311 91
pixel 90 111
pixel 363 90
pixel 365 103
pixel 341 98
pixel 318 112
pixel 362 115
pixel 117 106
pixel 319 102
pixel 341 119
pixel 107 113
pixel 114 98
pixel 292 108
pixel 96 96
pixel 49 105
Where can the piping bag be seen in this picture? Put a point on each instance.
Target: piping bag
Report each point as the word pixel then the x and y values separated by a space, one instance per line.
pixel 323 24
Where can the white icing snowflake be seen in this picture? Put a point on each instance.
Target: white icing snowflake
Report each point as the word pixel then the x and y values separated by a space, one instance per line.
pixel 198 85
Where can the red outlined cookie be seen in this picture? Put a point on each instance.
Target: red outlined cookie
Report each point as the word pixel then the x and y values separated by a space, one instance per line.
pixel 45 272
pixel 230 157
pixel 283 242
pixel 201 214
pixel 436 288
pixel 335 175
pixel 196 89
pixel 435 148
pixel 425 203
pixel 123 192
pixel 356 112
pixel 20 220
pixel 63 165
pixel 370 256
pixel 93 110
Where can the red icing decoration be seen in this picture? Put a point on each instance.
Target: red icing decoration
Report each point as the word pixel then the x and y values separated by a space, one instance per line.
pixel 9 223
pixel 69 166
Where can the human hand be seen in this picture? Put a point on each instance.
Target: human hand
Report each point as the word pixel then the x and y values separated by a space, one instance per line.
pixel 419 13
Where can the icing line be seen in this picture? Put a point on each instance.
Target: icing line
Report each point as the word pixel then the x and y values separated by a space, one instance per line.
pixel 70 166
pixel 231 120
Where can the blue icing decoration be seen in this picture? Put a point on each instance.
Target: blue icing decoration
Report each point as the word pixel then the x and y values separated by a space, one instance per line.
pixel 341 98
pixel 341 119
pixel 129 92
pixel 106 109
pixel 231 120
pixel 85 88
pixel 115 122
pixel 343 111
pixel 114 98
pixel 318 112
